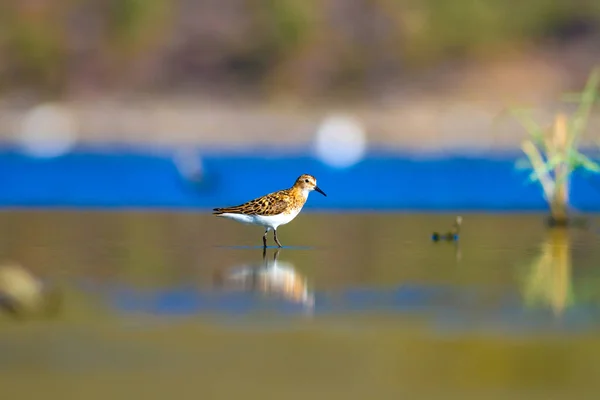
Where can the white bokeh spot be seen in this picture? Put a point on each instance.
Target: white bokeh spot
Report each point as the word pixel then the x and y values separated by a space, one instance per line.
pixel 47 130
pixel 340 141
pixel 188 163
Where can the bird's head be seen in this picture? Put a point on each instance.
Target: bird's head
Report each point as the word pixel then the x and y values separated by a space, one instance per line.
pixel 308 183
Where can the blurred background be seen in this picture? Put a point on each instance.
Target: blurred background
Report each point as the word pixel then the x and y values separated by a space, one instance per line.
pixel 416 74
pixel 332 80
pixel 122 122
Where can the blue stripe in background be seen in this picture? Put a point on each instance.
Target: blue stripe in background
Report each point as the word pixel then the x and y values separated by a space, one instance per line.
pixel 381 181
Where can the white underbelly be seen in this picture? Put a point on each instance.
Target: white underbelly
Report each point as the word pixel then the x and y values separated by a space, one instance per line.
pixel 267 221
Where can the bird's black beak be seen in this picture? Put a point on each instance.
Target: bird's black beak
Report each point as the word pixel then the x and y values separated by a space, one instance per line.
pixel 320 191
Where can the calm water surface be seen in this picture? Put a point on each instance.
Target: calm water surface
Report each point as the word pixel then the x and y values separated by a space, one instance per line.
pixel 354 306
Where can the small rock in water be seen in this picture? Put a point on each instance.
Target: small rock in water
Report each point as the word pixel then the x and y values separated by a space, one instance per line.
pixel 22 293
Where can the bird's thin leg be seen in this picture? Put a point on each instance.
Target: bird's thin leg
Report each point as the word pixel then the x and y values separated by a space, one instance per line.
pixel 265 240
pixel 275 236
pixel 276 255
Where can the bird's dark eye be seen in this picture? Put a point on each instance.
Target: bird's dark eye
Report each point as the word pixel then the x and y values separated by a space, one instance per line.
pixel 306 180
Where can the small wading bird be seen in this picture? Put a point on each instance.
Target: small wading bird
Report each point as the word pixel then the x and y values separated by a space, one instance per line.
pixel 274 209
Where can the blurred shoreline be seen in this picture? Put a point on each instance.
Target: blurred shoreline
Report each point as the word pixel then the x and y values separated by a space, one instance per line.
pixel 427 125
pixel 455 108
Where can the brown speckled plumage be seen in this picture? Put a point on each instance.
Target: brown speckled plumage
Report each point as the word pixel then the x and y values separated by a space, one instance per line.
pixel 282 201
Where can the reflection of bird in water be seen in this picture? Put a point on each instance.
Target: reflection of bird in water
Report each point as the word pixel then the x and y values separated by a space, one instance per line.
pixel 22 293
pixel 452 235
pixel 274 278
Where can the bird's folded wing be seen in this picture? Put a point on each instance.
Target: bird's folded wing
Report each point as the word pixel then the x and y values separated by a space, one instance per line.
pixel 271 204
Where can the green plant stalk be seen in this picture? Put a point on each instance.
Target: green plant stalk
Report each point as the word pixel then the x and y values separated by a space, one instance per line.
pixel 539 166
pixel 582 115
pixel 554 156
pixel 557 146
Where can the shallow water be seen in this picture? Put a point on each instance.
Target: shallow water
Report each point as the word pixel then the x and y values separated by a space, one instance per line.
pixel 353 306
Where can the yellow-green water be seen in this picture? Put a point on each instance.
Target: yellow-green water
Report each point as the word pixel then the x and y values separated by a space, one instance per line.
pixel 151 307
